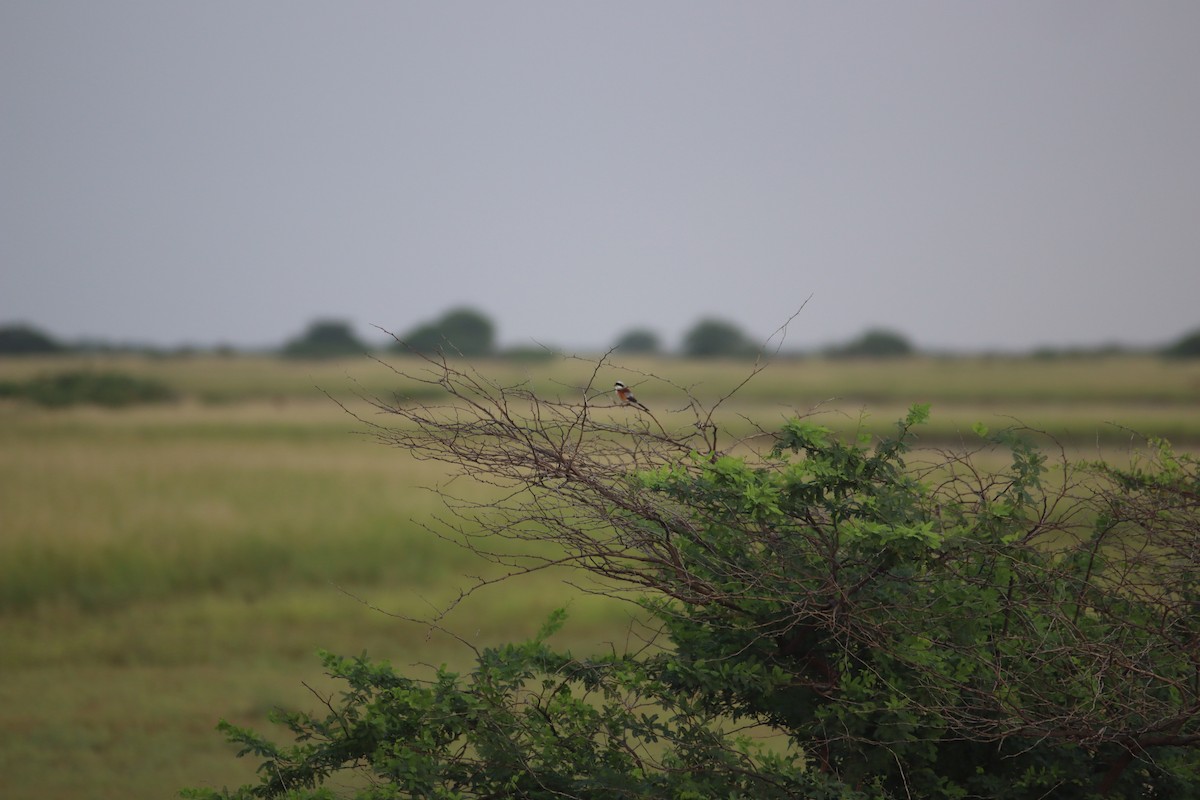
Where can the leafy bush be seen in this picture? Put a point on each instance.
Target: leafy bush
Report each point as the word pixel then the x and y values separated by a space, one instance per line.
pixel 528 722
pixel 934 631
pixel 87 387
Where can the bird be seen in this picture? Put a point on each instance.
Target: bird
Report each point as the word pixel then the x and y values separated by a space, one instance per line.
pixel 625 397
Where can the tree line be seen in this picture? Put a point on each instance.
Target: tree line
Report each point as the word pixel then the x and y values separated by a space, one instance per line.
pixel 471 333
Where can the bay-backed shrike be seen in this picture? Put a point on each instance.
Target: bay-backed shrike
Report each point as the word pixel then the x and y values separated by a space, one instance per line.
pixel 625 397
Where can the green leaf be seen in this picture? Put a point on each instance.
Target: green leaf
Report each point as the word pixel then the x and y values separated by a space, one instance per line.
pixel 918 414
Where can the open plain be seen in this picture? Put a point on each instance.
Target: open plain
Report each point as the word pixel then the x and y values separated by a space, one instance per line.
pixel 163 566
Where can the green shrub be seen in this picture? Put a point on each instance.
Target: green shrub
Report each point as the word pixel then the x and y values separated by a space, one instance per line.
pixel 527 722
pixel 87 387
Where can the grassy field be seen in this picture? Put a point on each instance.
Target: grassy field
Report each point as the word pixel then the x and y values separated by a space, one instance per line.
pixel 165 566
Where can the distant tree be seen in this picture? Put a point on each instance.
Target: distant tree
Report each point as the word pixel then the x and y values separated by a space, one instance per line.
pixel 469 332
pixel 1188 346
pixel 638 341
pixel 23 340
pixel 460 331
pixel 714 338
pixel 875 343
pixel 325 339
pixel 426 338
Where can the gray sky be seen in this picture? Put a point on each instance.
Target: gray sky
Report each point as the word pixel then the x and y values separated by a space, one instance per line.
pixel 975 175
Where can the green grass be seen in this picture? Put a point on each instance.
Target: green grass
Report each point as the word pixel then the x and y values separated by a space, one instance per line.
pixel 164 566
pixel 130 512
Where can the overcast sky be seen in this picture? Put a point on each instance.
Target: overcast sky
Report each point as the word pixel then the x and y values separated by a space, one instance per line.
pixel 974 175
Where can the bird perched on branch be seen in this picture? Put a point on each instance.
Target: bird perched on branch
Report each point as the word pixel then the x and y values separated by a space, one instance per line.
pixel 625 397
